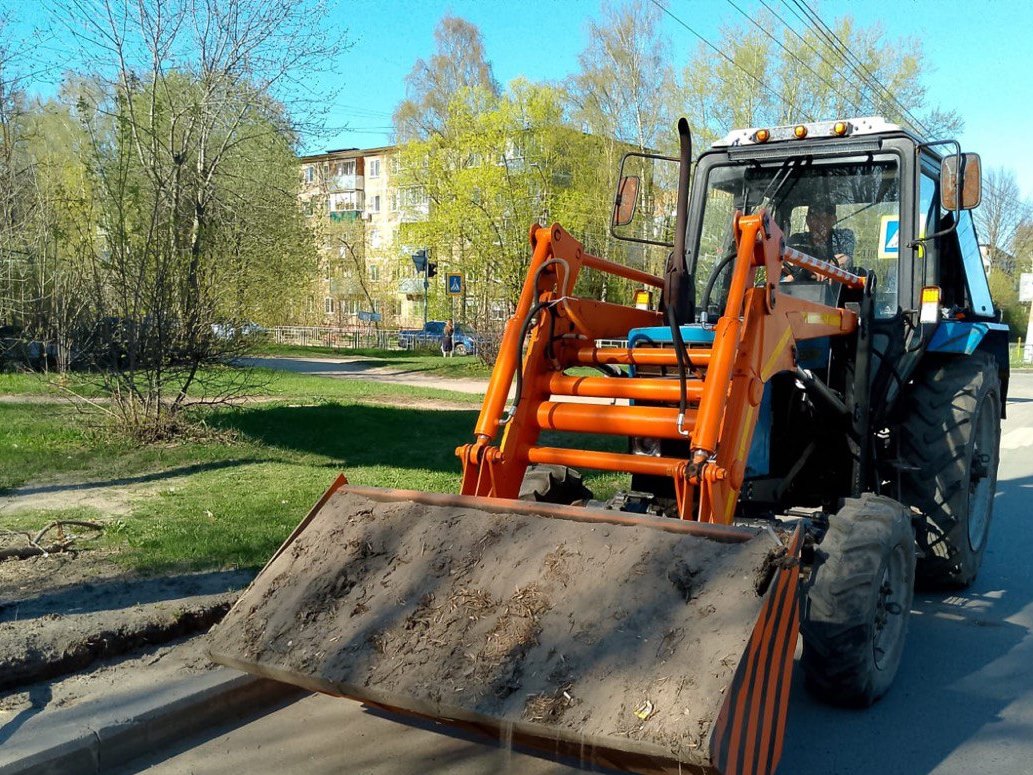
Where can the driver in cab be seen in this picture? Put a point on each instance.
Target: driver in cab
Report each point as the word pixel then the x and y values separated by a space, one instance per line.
pixel 821 240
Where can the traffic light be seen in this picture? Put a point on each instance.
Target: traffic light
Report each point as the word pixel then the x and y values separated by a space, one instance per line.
pixel 432 269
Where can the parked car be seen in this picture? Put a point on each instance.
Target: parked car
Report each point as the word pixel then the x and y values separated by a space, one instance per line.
pixel 464 339
pixel 233 330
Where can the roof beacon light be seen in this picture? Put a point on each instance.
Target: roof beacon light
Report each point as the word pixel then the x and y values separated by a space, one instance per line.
pixel 840 128
pixel 762 136
pixel 800 131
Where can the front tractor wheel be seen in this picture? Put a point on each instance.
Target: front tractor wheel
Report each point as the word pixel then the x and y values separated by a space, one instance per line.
pixel 858 601
pixel 554 484
pixel 950 439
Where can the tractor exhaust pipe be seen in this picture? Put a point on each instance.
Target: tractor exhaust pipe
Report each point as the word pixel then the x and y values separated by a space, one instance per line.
pixel 679 290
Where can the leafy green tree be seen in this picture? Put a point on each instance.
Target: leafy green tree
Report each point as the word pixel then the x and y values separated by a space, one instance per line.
pixel 761 73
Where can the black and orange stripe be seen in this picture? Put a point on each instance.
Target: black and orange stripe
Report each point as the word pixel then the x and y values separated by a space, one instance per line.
pixel 748 733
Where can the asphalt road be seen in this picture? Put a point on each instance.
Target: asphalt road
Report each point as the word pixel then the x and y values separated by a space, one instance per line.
pixel 962 702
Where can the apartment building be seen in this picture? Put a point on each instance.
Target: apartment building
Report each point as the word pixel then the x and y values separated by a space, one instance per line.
pixel 356 212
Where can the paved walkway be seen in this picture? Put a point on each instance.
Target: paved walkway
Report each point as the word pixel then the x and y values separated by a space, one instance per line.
pixel 362 368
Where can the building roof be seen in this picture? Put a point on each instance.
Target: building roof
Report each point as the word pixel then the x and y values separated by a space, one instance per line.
pixel 347 153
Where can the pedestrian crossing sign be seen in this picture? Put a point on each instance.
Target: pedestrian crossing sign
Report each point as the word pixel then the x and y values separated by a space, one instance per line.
pixel 889 237
pixel 454 283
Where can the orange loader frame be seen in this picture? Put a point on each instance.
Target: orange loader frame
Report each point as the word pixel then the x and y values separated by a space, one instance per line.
pixel 754 339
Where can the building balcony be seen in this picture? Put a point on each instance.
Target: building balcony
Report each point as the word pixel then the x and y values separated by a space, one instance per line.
pixel 338 183
pixel 345 216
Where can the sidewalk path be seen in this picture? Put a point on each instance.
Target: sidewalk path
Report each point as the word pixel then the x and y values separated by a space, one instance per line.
pixel 361 368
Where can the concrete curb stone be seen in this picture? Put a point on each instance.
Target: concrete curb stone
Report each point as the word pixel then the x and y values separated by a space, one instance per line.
pixel 97 736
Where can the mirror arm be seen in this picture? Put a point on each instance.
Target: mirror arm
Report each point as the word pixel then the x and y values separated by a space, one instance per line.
pixel 958 183
pixel 617 199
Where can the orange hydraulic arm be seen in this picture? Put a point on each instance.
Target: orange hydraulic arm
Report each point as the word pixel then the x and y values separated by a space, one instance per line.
pixel 754 339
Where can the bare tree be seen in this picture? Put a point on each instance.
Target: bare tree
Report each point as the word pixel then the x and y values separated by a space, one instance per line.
pixel 1002 212
pixel 623 90
pixel 195 102
pixel 459 66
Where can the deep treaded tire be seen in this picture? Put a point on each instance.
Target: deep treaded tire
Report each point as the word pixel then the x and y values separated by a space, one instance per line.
pixel 857 601
pixel 950 436
pixel 553 484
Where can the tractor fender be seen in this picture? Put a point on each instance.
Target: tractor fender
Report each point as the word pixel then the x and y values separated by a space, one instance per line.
pixel 961 338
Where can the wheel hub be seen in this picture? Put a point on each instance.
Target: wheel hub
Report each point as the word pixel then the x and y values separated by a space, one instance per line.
pixel 888 619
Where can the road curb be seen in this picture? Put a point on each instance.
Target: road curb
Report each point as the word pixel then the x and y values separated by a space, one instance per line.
pixel 97 736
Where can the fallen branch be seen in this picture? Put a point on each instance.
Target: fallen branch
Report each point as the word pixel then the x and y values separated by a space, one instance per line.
pixel 64 542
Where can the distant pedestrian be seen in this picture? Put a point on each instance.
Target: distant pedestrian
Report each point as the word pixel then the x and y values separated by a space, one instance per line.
pixel 447 339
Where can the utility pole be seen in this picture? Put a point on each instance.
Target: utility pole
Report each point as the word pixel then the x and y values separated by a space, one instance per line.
pixel 1026 290
pixel 419 259
pixel 429 269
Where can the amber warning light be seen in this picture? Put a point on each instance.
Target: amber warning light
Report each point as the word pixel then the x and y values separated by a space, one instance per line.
pixel 762 136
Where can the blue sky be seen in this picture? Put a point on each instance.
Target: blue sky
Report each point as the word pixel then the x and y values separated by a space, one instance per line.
pixel 976 50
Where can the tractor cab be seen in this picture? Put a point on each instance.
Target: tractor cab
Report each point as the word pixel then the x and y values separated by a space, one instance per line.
pixel 863 195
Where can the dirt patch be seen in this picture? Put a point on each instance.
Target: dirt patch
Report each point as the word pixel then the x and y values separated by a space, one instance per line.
pixel 109 498
pixel 63 612
pixel 615 636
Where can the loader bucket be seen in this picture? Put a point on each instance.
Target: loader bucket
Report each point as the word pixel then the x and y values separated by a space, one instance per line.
pixel 645 644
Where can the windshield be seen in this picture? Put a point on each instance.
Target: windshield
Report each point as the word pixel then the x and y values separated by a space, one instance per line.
pixel 846 211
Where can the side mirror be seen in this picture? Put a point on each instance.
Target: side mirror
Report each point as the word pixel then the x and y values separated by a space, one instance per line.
pixel 626 201
pixel 970 183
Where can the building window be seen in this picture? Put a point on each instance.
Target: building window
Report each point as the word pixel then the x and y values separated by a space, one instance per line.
pixel 310 174
pixel 328 305
pixel 374 238
pixel 374 168
pixel 374 273
pixel 394 201
pixel 376 204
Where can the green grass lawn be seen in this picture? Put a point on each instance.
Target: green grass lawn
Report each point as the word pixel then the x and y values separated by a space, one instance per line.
pixel 231 499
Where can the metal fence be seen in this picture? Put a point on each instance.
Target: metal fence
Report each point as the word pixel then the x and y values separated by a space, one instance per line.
pixel 336 338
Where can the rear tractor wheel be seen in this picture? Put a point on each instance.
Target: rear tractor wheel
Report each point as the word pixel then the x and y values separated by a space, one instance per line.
pixel 553 484
pixel 950 439
pixel 858 601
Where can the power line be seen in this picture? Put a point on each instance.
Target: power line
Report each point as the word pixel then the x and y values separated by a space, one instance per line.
pixel 792 55
pixel 854 63
pixel 806 42
pixel 867 76
pixel 718 51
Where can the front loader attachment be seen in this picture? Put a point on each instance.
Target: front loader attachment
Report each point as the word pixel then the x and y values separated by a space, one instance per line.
pixel 646 644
